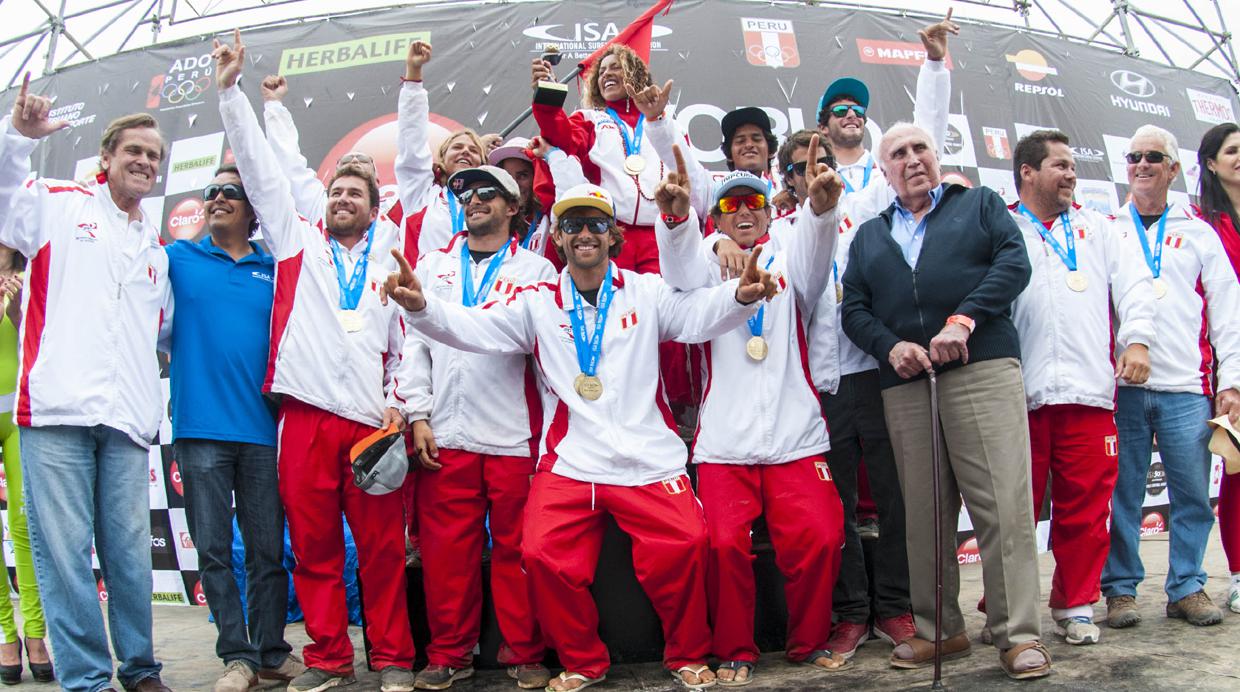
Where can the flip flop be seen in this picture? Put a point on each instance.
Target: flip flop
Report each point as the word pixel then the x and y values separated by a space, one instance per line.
pixel 736 667
pixel 824 653
pixel 585 682
pixel 696 670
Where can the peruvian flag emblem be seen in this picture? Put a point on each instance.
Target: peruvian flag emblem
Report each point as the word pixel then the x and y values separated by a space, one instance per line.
pixel 677 485
pixel 1175 240
pixel 628 319
pixel 824 471
pixel 1112 445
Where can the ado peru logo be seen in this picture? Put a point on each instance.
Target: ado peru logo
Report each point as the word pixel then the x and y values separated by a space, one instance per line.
pixel 1133 84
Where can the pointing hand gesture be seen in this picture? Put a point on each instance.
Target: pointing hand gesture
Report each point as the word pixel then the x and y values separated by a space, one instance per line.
pixel 30 113
pixel 672 195
pixel 755 283
pixel 403 286
pixel 228 61
pixel 825 186
pixel 652 100
pixel 934 37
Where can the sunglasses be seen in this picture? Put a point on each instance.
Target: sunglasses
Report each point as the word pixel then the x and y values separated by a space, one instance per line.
pixel 1134 157
pixel 799 167
pixel 572 225
pixel 355 158
pixel 731 205
pixel 841 110
pixel 231 191
pixel 486 194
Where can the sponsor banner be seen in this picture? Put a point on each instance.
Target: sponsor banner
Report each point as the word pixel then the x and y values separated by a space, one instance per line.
pixel 163 546
pixel 76 114
pixel 1000 180
pixel 187 217
pixel 158 496
pixel 168 587
pixel 185 82
pixel 1190 169
pixel 579 39
pixel 958 149
pixel 770 42
pixel 187 555
pixel 1136 92
pixel 1032 71
pixel 1116 148
pixel 1211 108
pixel 354 53
pixel 192 163
pixel 1098 195
pixel 911 54
pixel 997 144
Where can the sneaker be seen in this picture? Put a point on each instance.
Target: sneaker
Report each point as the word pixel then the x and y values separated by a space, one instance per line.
pixel 289 669
pixel 897 629
pixel 846 637
pixel 237 677
pixel 396 679
pixel 1122 611
pixel 1197 608
pixel 867 529
pixel 530 676
pixel 436 677
pixel 150 684
pixel 1233 598
pixel 1078 630
pixel 316 679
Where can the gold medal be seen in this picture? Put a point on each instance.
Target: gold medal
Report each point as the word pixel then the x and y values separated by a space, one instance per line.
pixel 756 348
pixel 839 292
pixel 634 164
pixel 588 387
pixel 351 320
pixel 1076 281
pixel 1160 288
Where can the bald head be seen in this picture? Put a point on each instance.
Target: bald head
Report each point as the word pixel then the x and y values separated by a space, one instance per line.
pixel 910 161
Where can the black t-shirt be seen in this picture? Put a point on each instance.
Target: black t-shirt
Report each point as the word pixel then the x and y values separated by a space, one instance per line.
pixel 480 255
pixel 1150 219
pixel 590 296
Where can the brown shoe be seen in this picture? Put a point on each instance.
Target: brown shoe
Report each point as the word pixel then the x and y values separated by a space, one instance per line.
pixel 919 653
pixel 1026 660
pixel 1197 608
pixel 1122 612
pixel 150 684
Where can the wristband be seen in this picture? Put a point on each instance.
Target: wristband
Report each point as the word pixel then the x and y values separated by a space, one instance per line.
pixel 404 79
pixel 964 321
pixel 673 221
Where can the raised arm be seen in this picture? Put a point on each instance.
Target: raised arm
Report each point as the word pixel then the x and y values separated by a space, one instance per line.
pixel 309 195
pixel 816 232
pixel 680 243
pixel 665 137
pixel 573 134
pixel 22 200
pixel 414 166
pixel 934 81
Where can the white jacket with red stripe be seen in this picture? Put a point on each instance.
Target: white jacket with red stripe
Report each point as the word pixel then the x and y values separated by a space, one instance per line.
pixel 786 422
pixel 428 224
pixel 1066 336
pixel 627 437
pixel 94 300
pixel 489 404
pixel 1197 319
pixel 313 358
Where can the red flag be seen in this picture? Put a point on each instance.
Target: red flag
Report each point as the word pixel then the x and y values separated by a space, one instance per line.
pixel 635 35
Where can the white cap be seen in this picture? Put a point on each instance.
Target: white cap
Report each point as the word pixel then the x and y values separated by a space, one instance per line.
pixel 584 195
pixel 512 149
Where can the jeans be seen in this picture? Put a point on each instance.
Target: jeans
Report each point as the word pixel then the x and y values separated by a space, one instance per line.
pixel 83 483
pixel 213 471
pixel 1179 421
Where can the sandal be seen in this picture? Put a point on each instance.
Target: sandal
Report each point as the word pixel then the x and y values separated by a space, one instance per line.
pixel 696 670
pixel 735 667
pixel 1008 658
pixel 824 653
pixel 585 682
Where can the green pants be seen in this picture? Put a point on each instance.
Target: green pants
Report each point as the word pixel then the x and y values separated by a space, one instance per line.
pixel 32 609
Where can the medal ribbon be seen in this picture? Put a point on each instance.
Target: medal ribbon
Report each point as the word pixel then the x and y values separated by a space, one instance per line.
pixel 456 212
pixel 1067 255
pixel 588 354
pixel 351 290
pixel 755 322
pixel 529 235
pixel 865 178
pixel 1152 258
pixel 469 296
pixel 632 142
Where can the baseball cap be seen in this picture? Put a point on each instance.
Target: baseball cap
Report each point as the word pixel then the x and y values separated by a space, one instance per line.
pixel 379 462
pixel 584 195
pixel 462 179
pixel 737 179
pixel 1225 442
pixel 749 115
pixel 512 149
pixel 846 86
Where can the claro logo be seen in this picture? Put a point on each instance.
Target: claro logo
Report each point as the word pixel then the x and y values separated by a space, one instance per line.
pixel 967 553
pixel 186 219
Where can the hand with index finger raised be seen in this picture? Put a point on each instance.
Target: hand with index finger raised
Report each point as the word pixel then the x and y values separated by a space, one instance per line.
pixel 403 286
pixel 30 113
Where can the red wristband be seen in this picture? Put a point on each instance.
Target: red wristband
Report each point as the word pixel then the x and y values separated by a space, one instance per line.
pixel 674 221
pixel 962 320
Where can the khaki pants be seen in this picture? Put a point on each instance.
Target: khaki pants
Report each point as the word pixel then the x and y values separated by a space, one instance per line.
pixel 986 459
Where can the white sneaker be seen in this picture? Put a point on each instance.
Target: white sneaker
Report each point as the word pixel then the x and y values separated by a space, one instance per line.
pixel 236 678
pixel 1078 630
pixel 1233 598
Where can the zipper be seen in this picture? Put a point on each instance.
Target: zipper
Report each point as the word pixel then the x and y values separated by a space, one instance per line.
pixel 917 304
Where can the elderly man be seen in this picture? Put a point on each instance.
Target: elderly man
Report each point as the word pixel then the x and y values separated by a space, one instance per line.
pixel 952 313
pixel 1197 297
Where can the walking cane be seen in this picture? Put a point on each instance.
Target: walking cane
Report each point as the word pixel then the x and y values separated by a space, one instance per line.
pixel 936 436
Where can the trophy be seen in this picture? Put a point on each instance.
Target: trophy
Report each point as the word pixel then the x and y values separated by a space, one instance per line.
pixel 551 93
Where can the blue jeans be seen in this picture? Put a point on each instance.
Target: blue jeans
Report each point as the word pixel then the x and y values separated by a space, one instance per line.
pixel 83 483
pixel 1179 421
pixel 212 472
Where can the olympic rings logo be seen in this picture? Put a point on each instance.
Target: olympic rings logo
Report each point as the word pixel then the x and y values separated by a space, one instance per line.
pixel 188 90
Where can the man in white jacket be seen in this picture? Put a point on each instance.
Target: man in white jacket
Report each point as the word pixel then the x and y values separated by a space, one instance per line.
pixel 334 350
pixel 95 300
pixel 610 446
pixel 1081 269
pixel 1196 303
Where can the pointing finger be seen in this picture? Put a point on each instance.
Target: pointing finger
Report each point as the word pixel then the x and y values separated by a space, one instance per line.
pixel 682 171
pixel 811 160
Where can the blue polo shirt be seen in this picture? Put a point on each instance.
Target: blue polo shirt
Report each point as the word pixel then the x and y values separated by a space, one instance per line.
pixel 220 332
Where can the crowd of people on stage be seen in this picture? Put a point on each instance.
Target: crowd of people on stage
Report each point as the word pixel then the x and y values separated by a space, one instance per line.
pixel 503 355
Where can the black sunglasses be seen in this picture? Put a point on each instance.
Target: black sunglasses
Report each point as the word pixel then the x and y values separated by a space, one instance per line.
pixel 231 191
pixel 1134 157
pixel 486 194
pixel 841 110
pixel 799 167
pixel 572 225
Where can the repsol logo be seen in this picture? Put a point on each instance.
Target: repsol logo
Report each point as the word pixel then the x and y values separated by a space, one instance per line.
pixel 1039 90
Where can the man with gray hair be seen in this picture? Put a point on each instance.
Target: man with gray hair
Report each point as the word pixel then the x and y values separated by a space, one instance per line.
pixel 893 306
pixel 1197 300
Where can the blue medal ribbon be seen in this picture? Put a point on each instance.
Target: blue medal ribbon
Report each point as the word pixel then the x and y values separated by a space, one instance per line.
pixel 469 296
pixel 1068 253
pixel 588 353
pixel 456 212
pixel 1152 258
pixel 865 178
pixel 529 235
pixel 351 290
pixel 633 142
pixel 755 322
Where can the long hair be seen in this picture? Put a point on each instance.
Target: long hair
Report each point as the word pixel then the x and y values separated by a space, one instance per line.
pixel 636 74
pixel 1211 195
pixel 441 175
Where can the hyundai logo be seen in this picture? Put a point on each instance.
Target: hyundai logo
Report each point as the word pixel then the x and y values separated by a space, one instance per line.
pixel 1133 84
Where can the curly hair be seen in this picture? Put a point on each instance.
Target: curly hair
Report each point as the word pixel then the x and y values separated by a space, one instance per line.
pixel 636 74
pixel 613 230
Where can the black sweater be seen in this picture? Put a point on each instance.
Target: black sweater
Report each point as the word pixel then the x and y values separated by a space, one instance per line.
pixel 972 263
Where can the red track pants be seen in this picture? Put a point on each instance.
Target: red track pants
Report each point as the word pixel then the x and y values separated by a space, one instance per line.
pixel 1078 447
pixel 564 525
pixel 806 522
pixel 1229 519
pixel 452 505
pixel 316 485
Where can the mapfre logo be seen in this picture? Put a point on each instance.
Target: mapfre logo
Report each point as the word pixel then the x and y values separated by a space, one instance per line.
pixel 187 218
pixel 188 78
pixel 1032 66
pixel 878 52
pixel 770 42
pixel 1139 89
pixel 579 40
